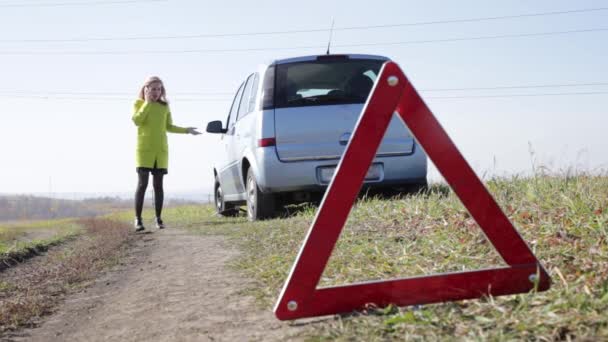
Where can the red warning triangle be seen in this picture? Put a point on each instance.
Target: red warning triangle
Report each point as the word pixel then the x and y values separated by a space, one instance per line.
pixel 392 93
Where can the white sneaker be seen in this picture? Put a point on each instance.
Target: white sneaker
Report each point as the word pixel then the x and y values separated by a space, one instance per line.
pixel 139 226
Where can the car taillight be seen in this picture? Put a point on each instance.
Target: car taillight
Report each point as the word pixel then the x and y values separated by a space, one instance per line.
pixel 268 89
pixel 267 142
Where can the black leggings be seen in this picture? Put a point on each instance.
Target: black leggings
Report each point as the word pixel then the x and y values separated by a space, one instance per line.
pixel 142 184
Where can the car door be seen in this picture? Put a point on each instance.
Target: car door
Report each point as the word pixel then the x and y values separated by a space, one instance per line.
pixel 243 128
pixel 226 170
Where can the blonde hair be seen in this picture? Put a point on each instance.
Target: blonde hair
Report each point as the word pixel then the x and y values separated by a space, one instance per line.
pixel 154 79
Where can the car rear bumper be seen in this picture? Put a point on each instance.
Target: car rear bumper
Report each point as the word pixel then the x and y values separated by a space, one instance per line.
pixel 277 176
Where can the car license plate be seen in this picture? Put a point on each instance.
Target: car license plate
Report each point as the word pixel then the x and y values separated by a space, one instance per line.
pixel 374 173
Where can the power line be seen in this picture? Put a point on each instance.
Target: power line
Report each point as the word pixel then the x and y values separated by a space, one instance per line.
pixel 539 14
pixel 97 93
pixel 520 87
pixel 519 35
pixel 516 95
pixel 89 98
pixel 41 97
pixel 64 4
pixel 229 93
pixel 264 33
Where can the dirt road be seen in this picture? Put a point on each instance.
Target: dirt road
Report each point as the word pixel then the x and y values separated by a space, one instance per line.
pixel 173 286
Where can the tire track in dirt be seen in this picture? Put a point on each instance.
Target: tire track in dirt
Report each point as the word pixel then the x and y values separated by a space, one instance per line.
pixel 173 286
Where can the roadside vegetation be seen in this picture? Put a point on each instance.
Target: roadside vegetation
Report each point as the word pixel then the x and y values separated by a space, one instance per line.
pixel 26 207
pixel 17 208
pixel 70 251
pixel 564 219
pixel 22 240
pixel 34 288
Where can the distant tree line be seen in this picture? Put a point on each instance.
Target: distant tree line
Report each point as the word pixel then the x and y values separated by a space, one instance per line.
pixel 36 208
pixel 27 207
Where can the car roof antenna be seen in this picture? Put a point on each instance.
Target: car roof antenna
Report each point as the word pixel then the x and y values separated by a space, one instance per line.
pixel 331 31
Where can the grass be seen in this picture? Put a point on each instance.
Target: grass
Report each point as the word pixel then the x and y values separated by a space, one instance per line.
pixel 19 241
pixel 35 288
pixel 563 218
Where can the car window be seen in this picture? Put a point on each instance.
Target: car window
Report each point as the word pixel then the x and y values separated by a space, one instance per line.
pixel 244 105
pixel 254 91
pixel 371 74
pixel 325 82
pixel 234 108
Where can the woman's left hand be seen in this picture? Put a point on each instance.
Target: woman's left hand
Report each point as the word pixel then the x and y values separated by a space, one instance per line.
pixel 193 131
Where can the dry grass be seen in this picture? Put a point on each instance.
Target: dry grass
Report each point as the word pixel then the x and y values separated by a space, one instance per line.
pixel 564 219
pixel 34 288
pixel 22 240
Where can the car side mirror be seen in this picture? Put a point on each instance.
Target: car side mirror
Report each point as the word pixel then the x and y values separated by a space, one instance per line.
pixel 215 127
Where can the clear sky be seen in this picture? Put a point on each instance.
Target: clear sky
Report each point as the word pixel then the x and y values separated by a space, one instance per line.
pixel 69 77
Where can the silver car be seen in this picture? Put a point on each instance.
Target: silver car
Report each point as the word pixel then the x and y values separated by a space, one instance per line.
pixel 287 129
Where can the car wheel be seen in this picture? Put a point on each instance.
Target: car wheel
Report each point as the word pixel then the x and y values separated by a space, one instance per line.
pixel 417 188
pixel 259 205
pixel 221 207
pixel 421 187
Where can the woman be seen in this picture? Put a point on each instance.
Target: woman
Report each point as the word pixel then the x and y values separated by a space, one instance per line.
pixel 152 117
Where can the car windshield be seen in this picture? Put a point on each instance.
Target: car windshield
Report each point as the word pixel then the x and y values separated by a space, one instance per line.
pixel 314 83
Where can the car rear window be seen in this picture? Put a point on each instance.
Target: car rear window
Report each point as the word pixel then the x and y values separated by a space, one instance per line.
pixel 328 82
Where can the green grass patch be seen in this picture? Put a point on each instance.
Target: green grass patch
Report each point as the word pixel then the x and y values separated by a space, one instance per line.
pixel 19 241
pixel 36 287
pixel 563 219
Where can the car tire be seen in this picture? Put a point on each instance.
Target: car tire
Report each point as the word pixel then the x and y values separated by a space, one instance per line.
pixel 221 207
pixel 259 205
pixel 419 187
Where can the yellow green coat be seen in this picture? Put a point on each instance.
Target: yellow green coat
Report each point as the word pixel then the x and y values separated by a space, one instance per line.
pixel 153 121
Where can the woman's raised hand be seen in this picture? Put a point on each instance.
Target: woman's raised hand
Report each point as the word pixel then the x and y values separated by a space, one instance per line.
pixel 147 95
pixel 193 131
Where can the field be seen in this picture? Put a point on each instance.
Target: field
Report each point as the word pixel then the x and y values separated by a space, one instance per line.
pixel 73 252
pixel 563 219
pixel 21 240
